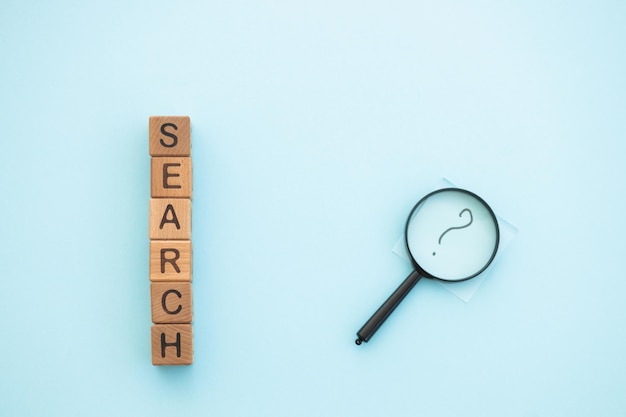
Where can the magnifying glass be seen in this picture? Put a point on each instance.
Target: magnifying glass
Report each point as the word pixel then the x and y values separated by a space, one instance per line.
pixel 450 235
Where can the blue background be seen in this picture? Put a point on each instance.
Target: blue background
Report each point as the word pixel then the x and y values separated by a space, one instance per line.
pixel 316 127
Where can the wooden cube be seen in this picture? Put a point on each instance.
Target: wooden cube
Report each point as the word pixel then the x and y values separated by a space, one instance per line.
pixel 171 177
pixel 171 302
pixel 170 260
pixel 170 135
pixel 170 219
pixel 172 344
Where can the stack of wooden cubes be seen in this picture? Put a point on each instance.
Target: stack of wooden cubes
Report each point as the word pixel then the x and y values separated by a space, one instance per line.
pixel 170 240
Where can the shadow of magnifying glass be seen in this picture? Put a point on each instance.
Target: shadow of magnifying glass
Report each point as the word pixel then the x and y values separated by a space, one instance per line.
pixel 450 235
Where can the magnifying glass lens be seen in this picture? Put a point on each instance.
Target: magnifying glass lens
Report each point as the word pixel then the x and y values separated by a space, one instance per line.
pixel 452 235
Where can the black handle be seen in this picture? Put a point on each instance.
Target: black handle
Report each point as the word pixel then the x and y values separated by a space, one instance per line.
pixel 378 318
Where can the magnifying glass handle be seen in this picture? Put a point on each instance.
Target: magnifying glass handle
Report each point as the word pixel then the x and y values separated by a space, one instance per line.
pixel 378 318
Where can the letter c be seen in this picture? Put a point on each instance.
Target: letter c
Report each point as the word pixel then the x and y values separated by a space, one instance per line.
pixel 164 298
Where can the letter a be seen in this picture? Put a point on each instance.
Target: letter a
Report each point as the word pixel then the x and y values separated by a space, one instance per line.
pixel 174 219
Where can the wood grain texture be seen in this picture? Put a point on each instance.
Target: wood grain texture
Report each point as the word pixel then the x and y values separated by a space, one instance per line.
pixel 170 219
pixel 171 177
pixel 171 260
pixel 171 302
pixel 172 344
pixel 169 231
pixel 169 135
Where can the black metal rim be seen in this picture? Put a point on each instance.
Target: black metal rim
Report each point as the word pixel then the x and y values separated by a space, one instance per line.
pixel 417 267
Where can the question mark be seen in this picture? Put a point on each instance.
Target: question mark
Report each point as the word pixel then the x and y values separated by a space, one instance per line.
pixel 457 227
